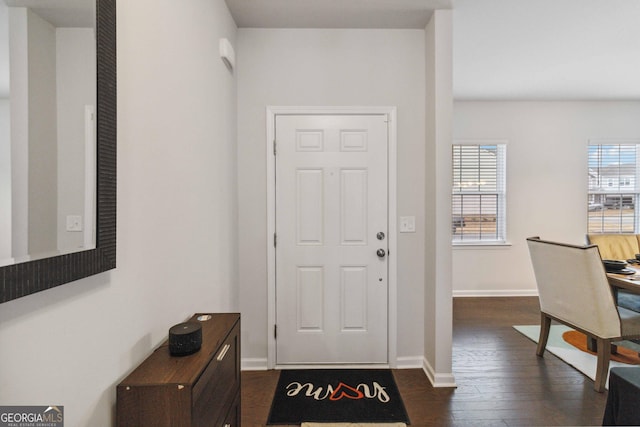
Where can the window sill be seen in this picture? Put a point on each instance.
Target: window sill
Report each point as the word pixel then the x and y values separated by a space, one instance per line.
pixel 480 245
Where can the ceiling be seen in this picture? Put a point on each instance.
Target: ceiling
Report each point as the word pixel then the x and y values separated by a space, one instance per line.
pixel 547 49
pixel 503 49
pixel 334 13
pixel 60 13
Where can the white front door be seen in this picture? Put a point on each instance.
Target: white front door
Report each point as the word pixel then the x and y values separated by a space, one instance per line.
pixel 332 234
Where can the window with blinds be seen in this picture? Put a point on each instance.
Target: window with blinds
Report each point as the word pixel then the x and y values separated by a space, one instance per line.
pixel 613 190
pixel 479 193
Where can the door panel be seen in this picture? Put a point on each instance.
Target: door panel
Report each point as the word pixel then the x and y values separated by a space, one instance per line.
pixel 309 206
pixel 331 201
pixel 354 298
pixel 310 304
pixel 353 206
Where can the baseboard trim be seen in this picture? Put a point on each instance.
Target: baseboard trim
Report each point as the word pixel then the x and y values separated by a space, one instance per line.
pixel 260 364
pixel 253 364
pixel 438 380
pixel 411 362
pixel 335 366
pixel 496 293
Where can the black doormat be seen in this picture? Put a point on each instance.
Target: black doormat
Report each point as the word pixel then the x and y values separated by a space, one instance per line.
pixel 337 395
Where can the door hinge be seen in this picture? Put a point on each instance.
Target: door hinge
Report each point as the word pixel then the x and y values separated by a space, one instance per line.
pixel 275 240
pixel 275 331
pixel 275 150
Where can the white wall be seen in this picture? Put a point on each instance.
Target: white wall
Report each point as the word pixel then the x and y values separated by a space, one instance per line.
pixel 546 180
pixel 5 138
pixel 19 114
pixel 43 147
pixel 33 156
pixel 5 180
pixel 177 226
pixel 76 87
pixel 289 67
pixel 4 50
pixel 437 260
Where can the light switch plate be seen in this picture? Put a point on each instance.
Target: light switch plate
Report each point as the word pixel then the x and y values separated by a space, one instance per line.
pixel 407 224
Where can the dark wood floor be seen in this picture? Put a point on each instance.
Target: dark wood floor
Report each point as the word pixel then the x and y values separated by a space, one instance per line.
pixel 500 380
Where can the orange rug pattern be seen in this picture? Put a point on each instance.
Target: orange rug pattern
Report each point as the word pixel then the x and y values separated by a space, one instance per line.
pixel 579 341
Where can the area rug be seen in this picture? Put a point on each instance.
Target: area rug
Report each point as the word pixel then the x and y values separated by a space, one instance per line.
pixel 579 341
pixel 583 361
pixel 337 396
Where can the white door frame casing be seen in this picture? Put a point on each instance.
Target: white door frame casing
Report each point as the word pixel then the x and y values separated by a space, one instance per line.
pixel 271 113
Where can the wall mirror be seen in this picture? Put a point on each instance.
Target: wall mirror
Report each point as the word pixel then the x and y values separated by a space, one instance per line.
pixel 57 143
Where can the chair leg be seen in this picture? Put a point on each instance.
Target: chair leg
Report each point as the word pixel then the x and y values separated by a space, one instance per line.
pixel 545 326
pixel 602 366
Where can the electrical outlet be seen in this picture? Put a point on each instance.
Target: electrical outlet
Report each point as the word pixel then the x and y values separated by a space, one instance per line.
pixel 74 223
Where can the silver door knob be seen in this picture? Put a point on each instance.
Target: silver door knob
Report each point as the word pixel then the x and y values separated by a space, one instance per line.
pixel 380 235
pixel 381 253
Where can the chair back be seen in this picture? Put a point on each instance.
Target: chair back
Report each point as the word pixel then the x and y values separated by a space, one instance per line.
pixel 573 286
pixel 615 246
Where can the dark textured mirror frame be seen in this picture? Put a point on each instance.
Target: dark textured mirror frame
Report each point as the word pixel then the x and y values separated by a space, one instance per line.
pixel 26 278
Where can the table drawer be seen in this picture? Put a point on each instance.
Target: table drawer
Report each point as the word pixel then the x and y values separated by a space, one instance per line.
pixel 216 388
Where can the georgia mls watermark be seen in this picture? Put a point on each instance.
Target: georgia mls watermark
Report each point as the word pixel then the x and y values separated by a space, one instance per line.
pixel 31 416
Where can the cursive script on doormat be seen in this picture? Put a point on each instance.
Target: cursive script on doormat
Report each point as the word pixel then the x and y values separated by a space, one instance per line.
pixel 342 391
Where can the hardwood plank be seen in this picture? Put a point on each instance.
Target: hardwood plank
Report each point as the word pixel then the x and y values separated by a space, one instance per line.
pixel 501 381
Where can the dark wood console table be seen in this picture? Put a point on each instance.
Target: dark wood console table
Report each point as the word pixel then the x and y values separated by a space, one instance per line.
pixel 201 389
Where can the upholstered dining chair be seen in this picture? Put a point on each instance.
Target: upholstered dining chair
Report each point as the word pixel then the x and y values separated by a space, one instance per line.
pixel 619 246
pixel 573 289
pixel 615 246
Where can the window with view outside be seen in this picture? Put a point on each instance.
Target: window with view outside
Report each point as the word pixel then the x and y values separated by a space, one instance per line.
pixel 478 193
pixel 613 192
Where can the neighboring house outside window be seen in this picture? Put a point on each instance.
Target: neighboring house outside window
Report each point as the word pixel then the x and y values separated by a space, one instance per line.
pixel 479 192
pixel 613 190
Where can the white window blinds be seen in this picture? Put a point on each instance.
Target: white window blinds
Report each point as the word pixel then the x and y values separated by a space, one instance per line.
pixel 613 190
pixel 479 193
